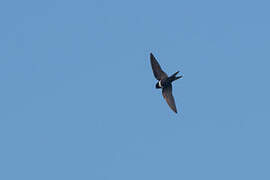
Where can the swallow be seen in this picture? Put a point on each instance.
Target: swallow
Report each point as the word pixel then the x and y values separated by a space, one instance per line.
pixel 164 82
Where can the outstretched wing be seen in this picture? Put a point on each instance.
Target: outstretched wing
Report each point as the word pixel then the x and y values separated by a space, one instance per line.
pixel 167 94
pixel 158 73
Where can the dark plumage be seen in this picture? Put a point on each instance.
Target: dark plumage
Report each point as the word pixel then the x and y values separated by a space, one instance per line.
pixel 164 82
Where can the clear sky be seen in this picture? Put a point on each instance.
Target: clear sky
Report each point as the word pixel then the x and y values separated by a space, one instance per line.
pixel 78 97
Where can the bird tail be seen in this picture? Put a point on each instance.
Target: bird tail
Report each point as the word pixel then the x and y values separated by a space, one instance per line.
pixel 174 77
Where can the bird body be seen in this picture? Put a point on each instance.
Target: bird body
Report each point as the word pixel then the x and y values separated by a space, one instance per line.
pixel 167 81
pixel 164 82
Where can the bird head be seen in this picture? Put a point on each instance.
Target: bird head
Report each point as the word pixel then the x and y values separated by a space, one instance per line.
pixel 158 86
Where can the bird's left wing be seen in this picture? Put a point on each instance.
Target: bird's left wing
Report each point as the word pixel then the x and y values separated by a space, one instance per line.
pixel 158 72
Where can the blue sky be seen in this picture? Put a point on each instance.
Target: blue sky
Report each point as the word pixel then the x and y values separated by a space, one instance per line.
pixel 78 97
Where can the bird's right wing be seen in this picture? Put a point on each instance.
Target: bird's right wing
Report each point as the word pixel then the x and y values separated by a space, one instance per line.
pixel 167 94
pixel 158 72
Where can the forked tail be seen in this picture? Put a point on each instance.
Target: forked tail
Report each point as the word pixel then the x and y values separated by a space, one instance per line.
pixel 174 77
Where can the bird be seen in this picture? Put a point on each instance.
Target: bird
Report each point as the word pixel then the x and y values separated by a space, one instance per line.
pixel 164 82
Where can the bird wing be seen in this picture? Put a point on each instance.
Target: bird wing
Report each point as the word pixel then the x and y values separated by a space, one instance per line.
pixel 158 72
pixel 167 94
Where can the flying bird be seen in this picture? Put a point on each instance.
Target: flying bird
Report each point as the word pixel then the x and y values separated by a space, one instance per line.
pixel 164 82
